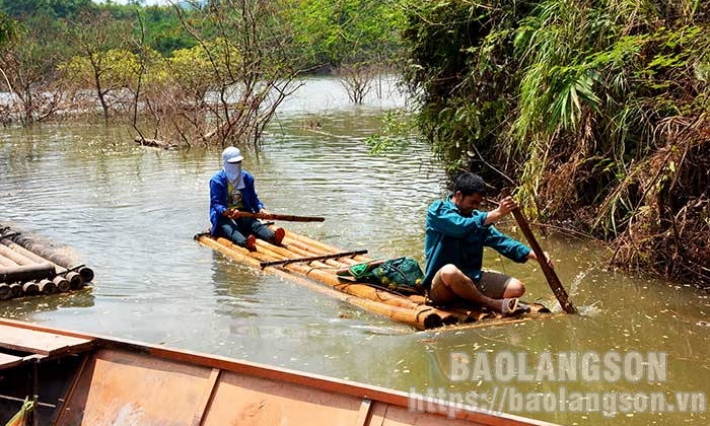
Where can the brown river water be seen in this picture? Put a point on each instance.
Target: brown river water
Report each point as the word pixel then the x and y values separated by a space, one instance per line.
pixel 131 213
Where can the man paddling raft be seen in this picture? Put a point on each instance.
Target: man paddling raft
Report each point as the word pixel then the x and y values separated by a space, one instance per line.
pixel 232 191
pixel 456 233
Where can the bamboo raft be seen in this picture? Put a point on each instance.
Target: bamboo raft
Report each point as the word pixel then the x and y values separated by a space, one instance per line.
pixel 313 264
pixel 28 268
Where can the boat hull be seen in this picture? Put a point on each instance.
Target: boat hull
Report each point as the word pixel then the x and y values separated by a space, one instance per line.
pixel 83 379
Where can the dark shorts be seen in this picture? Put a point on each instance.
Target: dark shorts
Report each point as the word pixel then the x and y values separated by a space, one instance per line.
pixel 492 284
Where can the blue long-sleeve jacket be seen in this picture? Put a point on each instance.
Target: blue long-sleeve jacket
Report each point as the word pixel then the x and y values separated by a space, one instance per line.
pixel 458 240
pixel 219 196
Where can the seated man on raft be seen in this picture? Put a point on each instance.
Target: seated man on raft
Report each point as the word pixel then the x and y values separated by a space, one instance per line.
pixel 232 191
pixel 456 233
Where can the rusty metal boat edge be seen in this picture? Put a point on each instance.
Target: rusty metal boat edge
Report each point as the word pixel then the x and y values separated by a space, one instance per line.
pixel 120 380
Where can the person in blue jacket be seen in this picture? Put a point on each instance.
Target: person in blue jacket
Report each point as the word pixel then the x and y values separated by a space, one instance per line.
pixel 233 189
pixel 456 233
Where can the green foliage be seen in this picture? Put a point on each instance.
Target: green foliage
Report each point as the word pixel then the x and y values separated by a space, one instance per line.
pixel 8 31
pixel 461 67
pixel 347 31
pixel 578 100
pixel 117 69
pixel 57 9
pixel 398 129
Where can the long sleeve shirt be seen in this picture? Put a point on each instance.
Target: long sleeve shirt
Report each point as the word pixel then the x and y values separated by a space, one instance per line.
pixel 455 239
pixel 219 196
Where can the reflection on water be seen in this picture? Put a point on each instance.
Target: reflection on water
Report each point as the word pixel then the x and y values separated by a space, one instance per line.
pixel 70 302
pixel 131 213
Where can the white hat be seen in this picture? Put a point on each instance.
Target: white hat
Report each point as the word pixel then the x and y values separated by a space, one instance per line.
pixel 232 154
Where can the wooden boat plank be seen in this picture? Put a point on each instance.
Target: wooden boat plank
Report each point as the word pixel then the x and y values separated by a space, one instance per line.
pixel 127 388
pixel 387 415
pixel 9 361
pixel 39 342
pixel 249 400
pixel 364 414
pixel 206 397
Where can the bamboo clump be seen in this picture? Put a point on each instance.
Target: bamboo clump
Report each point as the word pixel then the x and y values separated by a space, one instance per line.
pixel 28 268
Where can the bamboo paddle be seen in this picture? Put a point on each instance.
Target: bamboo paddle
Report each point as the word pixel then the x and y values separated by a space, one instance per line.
pixel 552 279
pixel 235 214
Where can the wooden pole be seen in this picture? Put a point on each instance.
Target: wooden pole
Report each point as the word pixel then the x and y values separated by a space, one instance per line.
pixel 312 258
pixel 234 214
pixel 552 279
pixel 27 272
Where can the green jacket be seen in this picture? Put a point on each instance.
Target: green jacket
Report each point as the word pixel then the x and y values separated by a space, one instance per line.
pixel 458 240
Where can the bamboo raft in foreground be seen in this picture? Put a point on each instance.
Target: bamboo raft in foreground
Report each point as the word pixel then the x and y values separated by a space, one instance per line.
pixel 320 275
pixel 77 379
pixel 28 268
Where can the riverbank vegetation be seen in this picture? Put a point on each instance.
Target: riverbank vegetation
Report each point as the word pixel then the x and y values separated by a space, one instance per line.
pixel 596 112
pixel 598 109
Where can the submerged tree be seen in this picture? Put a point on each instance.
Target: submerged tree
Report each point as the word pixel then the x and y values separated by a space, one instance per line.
pixel 28 63
pixel 102 61
pixel 227 87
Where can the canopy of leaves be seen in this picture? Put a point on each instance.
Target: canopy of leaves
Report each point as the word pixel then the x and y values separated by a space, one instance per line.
pixel 347 31
pixel 578 101
pixel 20 9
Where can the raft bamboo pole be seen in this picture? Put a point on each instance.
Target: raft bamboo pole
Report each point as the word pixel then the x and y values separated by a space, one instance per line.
pixel 7 263
pixel 423 318
pixel 319 271
pixel 289 244
pixel 30 288
pixel 76 280
pixel 63 284
pixel 60 259
pixel 16 290
pixel 15 256
pixel 313 258
pixel 47 287
pixel 448 314
pixel 326 274
pixel 5 292
pixel 26 272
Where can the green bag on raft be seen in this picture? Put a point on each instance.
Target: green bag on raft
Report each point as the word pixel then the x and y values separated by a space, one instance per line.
pixel 402 274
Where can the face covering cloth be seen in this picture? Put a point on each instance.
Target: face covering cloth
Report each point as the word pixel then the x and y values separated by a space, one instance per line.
pixel 234 173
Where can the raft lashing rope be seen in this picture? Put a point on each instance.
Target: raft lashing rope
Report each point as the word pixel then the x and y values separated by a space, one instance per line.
pixel 28 268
